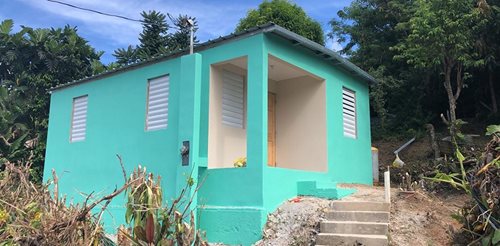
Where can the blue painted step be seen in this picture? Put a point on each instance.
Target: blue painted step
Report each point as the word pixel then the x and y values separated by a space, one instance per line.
pixel 327 190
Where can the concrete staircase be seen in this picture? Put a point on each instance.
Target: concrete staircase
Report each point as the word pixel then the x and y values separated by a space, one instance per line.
pixel 355 223
pixel 327 190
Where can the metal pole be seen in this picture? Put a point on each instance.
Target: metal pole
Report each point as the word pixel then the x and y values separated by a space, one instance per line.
pixel 387 186
pixel 191 39
pixel 404 146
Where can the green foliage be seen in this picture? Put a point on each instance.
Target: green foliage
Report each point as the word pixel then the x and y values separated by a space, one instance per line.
pixel 126 56
pixel 488 33
pixel 368 30
pixel 156 39
pixel 495 239
pixel 6 26
pixel 391 39
pixel 151 222
pixel 480 182
pixel 180 39
pixel 441 34
pixel 13 133
pixel 154 35
pixel 440 31
pixel 492 130
pixel 285 14
pixel 33 61
pixel 457 180
pixel 378 93
pixel 368 27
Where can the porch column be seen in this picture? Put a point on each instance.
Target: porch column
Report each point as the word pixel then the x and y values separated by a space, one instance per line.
pixel 257 109
pixel 189 122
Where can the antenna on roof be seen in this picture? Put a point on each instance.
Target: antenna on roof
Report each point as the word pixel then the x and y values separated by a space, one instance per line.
pixel 190 23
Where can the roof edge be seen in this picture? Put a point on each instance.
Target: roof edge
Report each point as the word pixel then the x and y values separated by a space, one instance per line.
pixel 320 50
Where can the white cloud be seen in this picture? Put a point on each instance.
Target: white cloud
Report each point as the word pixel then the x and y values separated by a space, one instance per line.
pixel 119 31
pixel 213 19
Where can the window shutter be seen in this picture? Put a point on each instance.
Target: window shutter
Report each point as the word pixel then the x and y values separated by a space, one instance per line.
pixel 79 119
pixel 349 112
pixel 232 99
pixel 157 103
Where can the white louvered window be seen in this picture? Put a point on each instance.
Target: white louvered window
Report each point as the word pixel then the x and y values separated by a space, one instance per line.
pixel 79 119
pixel 233 89
pixel 157 103
pixel 349 112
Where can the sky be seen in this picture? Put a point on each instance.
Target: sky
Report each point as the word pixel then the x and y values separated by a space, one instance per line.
pixel 215 18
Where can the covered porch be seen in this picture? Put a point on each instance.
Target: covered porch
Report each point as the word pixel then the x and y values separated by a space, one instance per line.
pixel 273 115
pixel 294 119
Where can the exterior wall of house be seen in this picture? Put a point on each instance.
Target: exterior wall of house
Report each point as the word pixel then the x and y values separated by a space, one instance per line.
pixel 225 143
pixel 301 124
pixel 115 125
pixel 230 200
pixel 242 194
pixel 233 202
pixel 349 160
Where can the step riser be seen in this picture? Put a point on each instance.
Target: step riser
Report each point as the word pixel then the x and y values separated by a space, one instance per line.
pixel 353 228
pixel 343 240
pixel 358 216
pixel 360 206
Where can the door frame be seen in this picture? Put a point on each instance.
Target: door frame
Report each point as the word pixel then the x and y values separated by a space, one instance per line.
pixel 271 130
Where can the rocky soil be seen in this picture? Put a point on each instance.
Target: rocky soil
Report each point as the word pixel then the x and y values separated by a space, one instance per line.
pixel 295 222
pixel 421 218
pixel 417 218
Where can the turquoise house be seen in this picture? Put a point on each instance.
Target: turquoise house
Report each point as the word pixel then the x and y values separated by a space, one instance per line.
pixel 298 113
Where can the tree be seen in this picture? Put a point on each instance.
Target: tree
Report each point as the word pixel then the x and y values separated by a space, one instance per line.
pixel 409 96
pixel 32 62
pixel 126 56
pixel 285 14
pixel 441 34
pixel 180 39
pixel 155 38
pixel 154 34
pixel 367 30
pixel 489 48
pixel 13 133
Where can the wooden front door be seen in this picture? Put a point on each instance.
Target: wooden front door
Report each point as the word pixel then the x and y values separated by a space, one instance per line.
pixel 271 130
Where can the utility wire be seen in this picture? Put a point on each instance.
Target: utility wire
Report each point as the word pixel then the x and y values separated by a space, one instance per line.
pixel 107 14
pixel 95 11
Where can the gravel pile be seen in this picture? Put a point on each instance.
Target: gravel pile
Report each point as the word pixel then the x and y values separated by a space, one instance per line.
pixel 295 222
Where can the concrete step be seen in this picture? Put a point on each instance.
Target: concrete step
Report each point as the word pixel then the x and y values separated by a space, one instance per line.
pixel 360 206
pixel 361 216
pixel 327 190
pixel 351 239
pixel 354 227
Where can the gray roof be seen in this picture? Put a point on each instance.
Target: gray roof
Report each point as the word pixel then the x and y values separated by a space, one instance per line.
pixel 294 38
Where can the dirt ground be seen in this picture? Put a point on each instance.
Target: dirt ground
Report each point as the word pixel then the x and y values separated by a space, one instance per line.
pixel 416 219
pixel 420 218
pixel 419 153
pixel 424 219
